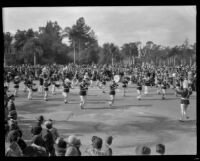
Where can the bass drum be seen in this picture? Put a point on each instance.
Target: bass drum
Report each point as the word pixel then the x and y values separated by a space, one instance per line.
pixel 116 78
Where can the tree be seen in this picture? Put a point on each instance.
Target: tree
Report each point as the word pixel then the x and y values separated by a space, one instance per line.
pixel 50 39
pixel 7 45
pixel 110 54
pixel 32 49
pixel 130 50
pixel 20 40
pixel 81 36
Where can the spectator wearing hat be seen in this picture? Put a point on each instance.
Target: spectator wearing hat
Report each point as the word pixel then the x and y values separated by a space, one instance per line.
pixel 160 149
pixel 96 148
pixel 73 146
pixel 38 123
pixel 14 149
pixel 48 138
pixel 108 150
pixel 142 150
pixel 60 147
pixel 53 130
pixel 39 146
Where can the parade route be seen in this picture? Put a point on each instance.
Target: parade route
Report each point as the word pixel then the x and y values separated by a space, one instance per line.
pixel 131 122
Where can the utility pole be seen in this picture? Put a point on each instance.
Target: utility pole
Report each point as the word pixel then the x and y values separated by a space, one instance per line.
pixel 112 59
pixel 34 59
pixel 74 53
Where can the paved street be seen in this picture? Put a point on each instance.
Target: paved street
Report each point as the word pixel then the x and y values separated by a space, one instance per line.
pixel 131 122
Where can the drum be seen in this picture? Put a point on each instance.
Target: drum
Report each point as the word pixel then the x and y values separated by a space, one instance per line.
pixel 34 88
pixel 57 84
pixel 116 78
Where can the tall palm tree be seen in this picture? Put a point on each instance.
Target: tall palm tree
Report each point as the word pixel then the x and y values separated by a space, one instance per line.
pixel 80 35
pixel 33 49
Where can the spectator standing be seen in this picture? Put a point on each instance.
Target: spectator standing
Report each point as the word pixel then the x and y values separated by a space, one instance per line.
pixel 48 138
pixel 160 149
pixel 73 146
pixel 142 150
pixel 14 149
pixel 38 123
pixel 60 147
pixel 22 144
pixel 108 142
pixel 39 146
pixel 53 130
pixel 96 148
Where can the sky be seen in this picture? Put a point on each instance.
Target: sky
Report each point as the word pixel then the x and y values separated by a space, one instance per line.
pixel 164 25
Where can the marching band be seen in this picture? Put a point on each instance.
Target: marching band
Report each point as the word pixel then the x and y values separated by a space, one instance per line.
pixel 85 80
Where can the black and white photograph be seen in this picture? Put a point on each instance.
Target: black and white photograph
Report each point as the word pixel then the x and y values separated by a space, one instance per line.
pixel 100 80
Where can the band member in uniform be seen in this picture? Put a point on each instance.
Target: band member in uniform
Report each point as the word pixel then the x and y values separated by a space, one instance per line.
pixel 54 78
pixel 163 87
pixel 16 85
pixel 139 89
pixel 103 83
pixel 29 86
pixel 41 82
pixel 185 94
pixel 46 88
pixel 83 93
pixel 177 86
pixel 25 83
pixel 158 84
pixel 125 83
pixel 113 86
pixel 147 83
pixel 66 87
pixel 93 78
